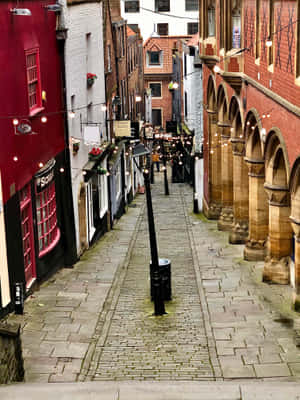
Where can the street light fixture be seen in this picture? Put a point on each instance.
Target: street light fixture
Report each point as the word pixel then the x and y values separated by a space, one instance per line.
pixel 158 296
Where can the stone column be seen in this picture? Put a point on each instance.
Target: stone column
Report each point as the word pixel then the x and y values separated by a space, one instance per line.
pixel 296 229
pixel 239 233
pixel 256 249
pixel 225 222
pixel 212 210
pixel 277 262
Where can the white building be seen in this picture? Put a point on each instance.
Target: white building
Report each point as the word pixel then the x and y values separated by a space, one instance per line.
pixel 86 117
pixel 166 17
pixel 193 108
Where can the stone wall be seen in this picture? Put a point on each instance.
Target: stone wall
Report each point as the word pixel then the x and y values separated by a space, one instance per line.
pixel 11 361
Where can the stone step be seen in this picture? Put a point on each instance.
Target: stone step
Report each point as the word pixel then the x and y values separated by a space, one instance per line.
pixel 183 390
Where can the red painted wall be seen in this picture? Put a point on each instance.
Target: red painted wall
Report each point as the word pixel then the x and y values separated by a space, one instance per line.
pixel 18 34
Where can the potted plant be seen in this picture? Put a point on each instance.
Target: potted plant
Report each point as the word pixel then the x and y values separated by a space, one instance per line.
pixel 95 154
pixel 101 170
pixel 90 79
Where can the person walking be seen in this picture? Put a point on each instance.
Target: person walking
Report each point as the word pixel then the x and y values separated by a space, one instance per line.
pixel 155 160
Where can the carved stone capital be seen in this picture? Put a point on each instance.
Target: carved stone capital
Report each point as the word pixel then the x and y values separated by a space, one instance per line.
pixel 238 146
pixel 239 233
pixel 255 250
pixel 278 195
pixel 277 270
pixel 211 210
pixel 225 222
pixel 296 228
pixel 256 167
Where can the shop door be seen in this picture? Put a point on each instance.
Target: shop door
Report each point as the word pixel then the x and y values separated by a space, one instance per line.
pixel 27 235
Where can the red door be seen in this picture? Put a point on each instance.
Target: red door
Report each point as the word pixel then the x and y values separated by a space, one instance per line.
pixel 27 235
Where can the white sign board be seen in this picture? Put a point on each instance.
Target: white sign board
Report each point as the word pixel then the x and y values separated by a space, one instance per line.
pixel 91 135
pixel 122 128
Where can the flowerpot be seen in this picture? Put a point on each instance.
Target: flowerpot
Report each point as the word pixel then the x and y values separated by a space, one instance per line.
pixel 75 148
pixel 90 82
pixel 94 157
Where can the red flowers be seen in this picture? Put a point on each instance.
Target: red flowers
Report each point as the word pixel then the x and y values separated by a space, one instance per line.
pixel 95 151
pixel 89 75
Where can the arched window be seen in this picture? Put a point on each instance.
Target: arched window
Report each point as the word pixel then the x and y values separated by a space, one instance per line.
pixel 236 24
pixel 211 14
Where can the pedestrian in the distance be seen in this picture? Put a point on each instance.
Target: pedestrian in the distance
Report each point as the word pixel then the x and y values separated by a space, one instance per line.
pixel 155 160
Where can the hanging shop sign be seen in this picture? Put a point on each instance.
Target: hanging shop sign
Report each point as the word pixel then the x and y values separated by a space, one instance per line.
pixel 45 176
pixel 122 128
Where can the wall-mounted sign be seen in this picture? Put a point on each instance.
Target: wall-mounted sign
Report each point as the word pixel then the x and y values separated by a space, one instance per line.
pixel 92 135
pixel 122 128
pixel 45 176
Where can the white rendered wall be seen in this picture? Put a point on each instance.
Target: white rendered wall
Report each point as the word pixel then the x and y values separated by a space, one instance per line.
pixel 192 84
pixel 83 54
pixel 146 19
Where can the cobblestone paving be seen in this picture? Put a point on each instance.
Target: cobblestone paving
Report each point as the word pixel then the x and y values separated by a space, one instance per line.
pixel 140 346
pixel 94 322
pixel 253 339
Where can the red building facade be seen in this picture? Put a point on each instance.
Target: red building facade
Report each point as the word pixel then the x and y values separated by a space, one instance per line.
pixel 251 80
pixel 34 158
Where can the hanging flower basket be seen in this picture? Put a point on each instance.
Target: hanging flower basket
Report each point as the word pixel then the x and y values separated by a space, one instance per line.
pixel 90 79
pixel 95 154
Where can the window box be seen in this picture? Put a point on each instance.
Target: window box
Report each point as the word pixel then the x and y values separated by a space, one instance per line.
pixel 90 79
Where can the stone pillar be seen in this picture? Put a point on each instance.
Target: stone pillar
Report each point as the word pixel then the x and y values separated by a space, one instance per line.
pixel 277 262
pixel 296 229
pixel 212 210
pixel 256 249
pixel 225 222
pixel 239 233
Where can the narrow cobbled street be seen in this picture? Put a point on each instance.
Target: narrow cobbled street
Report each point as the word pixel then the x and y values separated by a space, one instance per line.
pixel 94 322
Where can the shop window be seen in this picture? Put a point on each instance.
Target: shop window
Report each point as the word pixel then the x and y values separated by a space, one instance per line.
pixel 27 234
pixel 211 18
pixel 132 6
pixel 163 29
pixel 48 231
pixel 236 24
pixel 154 58
pixel 155 89
pixel 103 195
pixel 33 80
pixel 192 28
pixel 162 5
pixel 191 5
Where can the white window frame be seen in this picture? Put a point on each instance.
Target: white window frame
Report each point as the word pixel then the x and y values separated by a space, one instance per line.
pixel 103 191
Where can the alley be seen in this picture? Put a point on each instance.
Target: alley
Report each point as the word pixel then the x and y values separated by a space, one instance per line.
pixel 94 322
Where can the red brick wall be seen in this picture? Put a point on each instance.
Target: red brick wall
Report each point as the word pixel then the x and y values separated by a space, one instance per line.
pixel 165 103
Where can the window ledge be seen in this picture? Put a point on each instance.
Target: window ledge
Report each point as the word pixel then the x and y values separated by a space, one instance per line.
pixel 36 111
pixel 271 68
pixel 297 81
pixel 257 61
pixel 52 245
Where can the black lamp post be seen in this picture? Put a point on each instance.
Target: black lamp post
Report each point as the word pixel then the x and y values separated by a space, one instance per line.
pixel 158 295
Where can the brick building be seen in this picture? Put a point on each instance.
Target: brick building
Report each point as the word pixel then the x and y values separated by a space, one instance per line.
pixel 251 83
pixel 161 64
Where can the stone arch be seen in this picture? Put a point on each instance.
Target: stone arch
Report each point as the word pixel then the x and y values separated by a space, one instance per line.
pixel 225 222
pixel 256 244
pixel 277 263
pixel 294 186
pixel 239 231
pixel 211 99
pixel 212 209
pixel 82 213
